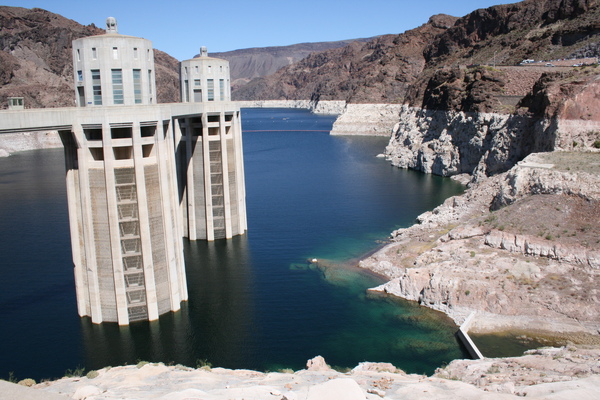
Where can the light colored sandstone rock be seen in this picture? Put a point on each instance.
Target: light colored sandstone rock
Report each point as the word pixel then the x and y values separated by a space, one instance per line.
pixel 337 389
pixel 86 392
pixel 568 371
pixel 317 364
pixel 332 107
pixel 371 366
pixel 367 119
pixel 15 142
pixel 449 143
pixel 452 263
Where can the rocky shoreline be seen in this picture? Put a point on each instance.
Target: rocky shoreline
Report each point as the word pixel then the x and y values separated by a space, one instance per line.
pixel 480 252
pixel 549 373
pixel 15 142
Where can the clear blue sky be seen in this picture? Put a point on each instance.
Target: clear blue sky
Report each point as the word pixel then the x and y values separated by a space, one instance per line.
pixel 180 27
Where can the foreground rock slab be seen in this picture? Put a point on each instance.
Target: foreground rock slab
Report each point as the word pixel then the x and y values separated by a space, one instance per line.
pixel 570 372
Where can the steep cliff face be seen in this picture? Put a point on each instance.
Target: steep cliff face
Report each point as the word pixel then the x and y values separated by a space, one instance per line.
pixel 36 59
pixel 559 113
pixel 449 143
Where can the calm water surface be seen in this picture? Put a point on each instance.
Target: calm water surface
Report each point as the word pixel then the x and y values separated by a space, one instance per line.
pixel 255 302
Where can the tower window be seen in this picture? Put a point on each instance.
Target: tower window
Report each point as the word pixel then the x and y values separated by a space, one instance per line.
pixel 135 53
pixel 78 55
pixel 94 53
pixel 196 82
pixel 137 85
pixel 222 89
pixel 117 81
pixel 115 53
pixel 96 87
pixel 79 76
pixel 210 89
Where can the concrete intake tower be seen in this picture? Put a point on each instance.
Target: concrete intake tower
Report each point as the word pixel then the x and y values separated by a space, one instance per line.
pixel 141 175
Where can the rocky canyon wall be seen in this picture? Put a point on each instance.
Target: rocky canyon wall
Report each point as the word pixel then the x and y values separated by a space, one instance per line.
pixel 450 143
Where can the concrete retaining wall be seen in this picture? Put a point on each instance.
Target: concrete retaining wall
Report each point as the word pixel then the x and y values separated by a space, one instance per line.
pixel 466 339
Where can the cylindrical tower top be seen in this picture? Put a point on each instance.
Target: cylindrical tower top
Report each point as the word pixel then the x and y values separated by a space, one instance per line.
pixel 113 69
pixel 111 25
pixel 205 78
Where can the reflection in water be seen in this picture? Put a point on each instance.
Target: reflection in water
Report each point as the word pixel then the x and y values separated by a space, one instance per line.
pixel 221 303
pixel 220 307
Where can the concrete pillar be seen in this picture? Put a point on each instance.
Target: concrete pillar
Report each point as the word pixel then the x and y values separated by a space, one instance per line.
pixel 75 219
pixel 91 268
pixel 172 138
pixel 240 174
pixel 181 177
pixel 225 168
pixel 169 211
pixel 145 234
pixel 210 230
pixel 113 221
pixel 191 201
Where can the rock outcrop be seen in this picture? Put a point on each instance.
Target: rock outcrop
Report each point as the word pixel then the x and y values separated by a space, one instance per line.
pixel 14 142
pixel 566 372
pixel 367 119
pixel 530 265
pixel 510 33
pixel 449 143
pixel 559 113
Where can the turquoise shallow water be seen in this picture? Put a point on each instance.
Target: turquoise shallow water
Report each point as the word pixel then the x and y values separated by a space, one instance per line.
pixel 255 302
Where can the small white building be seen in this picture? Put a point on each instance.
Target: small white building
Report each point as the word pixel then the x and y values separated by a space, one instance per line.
pixel 16 103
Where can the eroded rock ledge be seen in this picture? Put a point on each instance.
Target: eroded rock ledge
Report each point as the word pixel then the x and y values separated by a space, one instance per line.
pixel 519 248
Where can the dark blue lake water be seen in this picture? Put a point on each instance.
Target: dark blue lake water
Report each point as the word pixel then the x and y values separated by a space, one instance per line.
pixel 255 302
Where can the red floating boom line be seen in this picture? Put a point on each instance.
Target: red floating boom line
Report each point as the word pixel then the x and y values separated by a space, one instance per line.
pixel 285 130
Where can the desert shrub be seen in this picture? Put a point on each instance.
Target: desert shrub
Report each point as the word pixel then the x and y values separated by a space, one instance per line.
pixel 203 363
pixel 27 382
pixel 92 374
pixel 77 372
